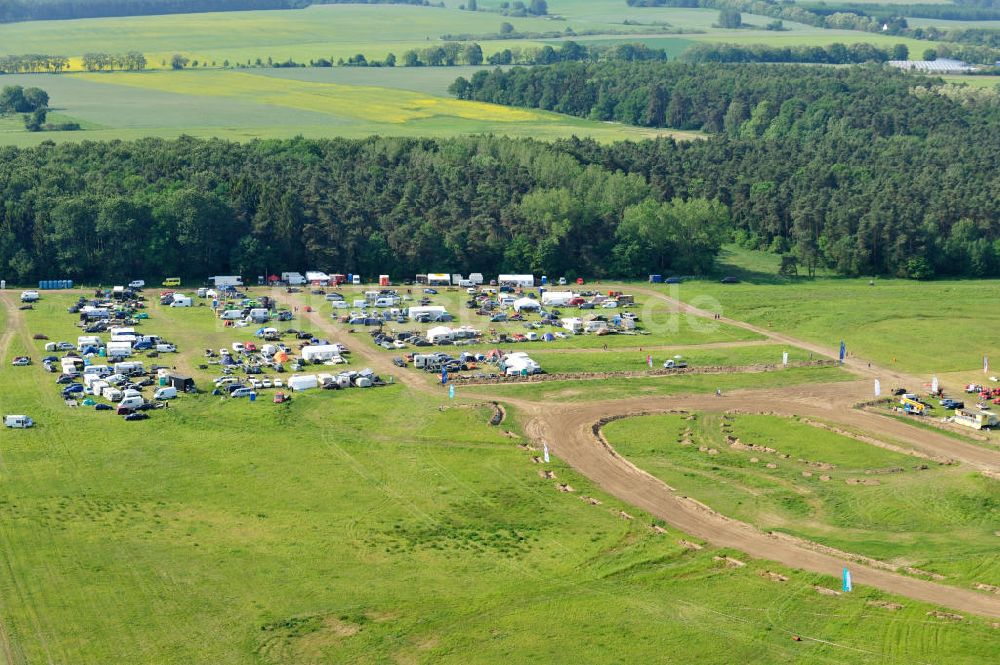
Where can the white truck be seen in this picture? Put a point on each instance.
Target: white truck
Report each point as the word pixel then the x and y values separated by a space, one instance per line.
pixel 293 278
pixel 18 422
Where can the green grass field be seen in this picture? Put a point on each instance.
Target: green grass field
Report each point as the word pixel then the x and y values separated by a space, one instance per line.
pixel 366 526
pixel 242 105
pixel 621 388
pixel 940 520
pixel 923 327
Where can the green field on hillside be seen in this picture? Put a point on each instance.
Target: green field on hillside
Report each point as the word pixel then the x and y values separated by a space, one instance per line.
pixel 366 526
pixel 913 326
pixel 830 489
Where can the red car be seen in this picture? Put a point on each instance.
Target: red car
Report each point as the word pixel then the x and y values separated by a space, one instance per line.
pixel 280 398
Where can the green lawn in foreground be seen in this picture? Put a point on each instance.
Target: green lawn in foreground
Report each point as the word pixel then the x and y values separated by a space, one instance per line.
pixel 915 326
pixel 369 526
pixel 940 520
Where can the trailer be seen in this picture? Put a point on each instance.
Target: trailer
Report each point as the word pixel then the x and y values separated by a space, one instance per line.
pixel 523 281
pixel 438 279
pixel 222 281
pixel 975 419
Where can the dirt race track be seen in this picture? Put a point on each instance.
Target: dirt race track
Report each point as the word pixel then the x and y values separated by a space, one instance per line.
pixel 569 431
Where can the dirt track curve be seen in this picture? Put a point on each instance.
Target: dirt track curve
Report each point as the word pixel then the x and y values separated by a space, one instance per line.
pixel 568 429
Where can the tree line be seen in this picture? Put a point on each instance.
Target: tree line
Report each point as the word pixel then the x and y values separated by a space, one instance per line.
pixel 133 61
pixel 834 54
pixel 861 169
pixel 105 211
pixel 32 63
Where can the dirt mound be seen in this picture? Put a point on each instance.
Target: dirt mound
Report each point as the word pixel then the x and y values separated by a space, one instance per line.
pixel 774 577
pixel 949 616
pixel 987 587
pixel 591 500
pixel 730 561
pixel 886 605
pixel 548 475
pixel 862 481
pixel 689 545
pixel 823 591
pixel 563 487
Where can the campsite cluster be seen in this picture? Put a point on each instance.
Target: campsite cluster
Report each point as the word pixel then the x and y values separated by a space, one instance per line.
pixel 103 368
pixel 513 309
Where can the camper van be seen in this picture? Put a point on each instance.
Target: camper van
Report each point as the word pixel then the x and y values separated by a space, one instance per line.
pixel 181 300
pixel 18 422
pixel 167 392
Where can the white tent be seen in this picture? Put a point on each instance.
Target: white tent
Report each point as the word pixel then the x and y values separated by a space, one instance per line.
pixel 316 353
pixel 302 381
pixel 526 303
pixel 435 335
pixel 433 311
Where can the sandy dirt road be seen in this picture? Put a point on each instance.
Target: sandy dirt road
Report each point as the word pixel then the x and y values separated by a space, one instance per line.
pixel 568 429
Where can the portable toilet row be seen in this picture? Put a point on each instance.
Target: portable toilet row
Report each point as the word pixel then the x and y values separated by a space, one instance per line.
pixel 55 284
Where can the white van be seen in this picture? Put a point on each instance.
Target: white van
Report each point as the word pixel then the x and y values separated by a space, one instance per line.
pixel 18 422
pixel 167 392
pixel 29 296
pixel 136 284
pixel 130 403
pixel 166 348
pixel 231 315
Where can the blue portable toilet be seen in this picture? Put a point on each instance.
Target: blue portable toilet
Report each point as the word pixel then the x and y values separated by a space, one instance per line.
pixel 545 280
pixel 253 397
pixel 69 284
pixel 350 278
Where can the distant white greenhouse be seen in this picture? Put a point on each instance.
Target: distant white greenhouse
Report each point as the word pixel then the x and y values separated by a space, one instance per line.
pixel 939 66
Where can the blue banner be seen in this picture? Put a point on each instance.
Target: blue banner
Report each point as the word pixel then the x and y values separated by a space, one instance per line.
pixel 843 351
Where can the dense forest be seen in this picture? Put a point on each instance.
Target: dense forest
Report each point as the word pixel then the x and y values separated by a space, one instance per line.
pixel 113 211
pixel 863 169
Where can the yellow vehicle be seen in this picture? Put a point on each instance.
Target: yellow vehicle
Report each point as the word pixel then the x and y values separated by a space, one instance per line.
pixel 912 406
pixel 172 281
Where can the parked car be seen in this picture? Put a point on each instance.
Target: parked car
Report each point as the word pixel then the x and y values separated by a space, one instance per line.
pixel 243 392
pixel 137 416
pixel 72 389
pixel 730 280
pixel 65 346
pixel 432 292
pixel 21 361
pixel 948 403
pixel 103 407
pixel 398 362
pixel 280 398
